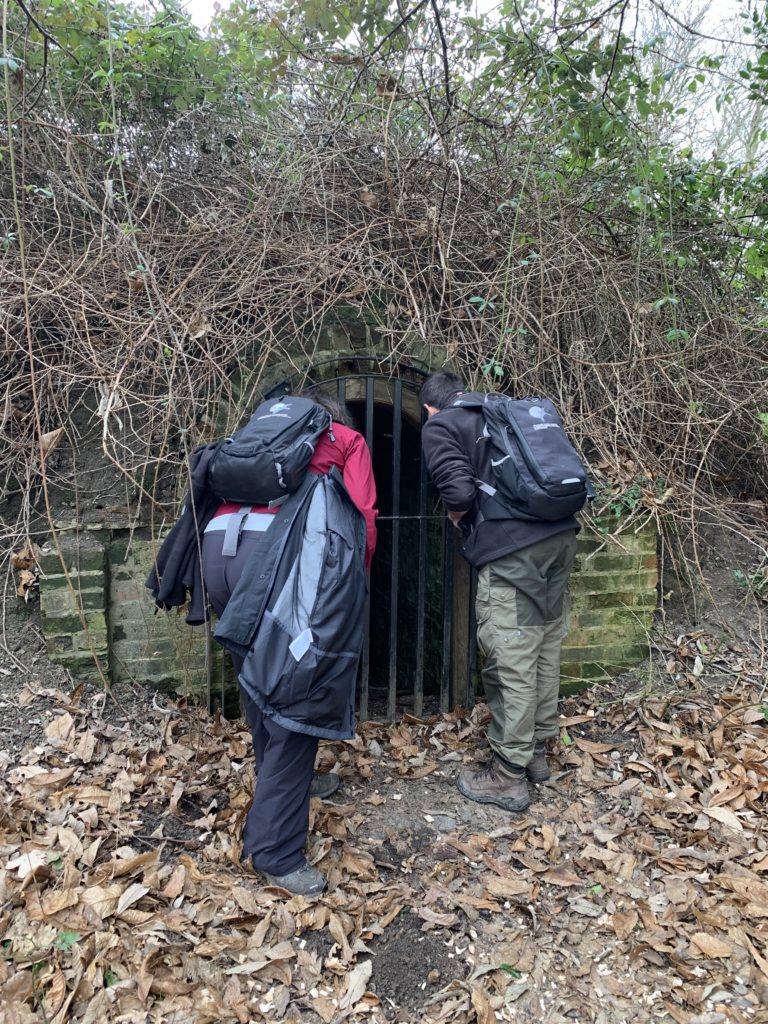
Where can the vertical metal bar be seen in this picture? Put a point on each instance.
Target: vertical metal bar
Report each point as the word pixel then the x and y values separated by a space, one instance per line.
pixel 472 648
pixel 397 425
pixel 341 390
pixel 445 679
pixel 209 662
pixel 421 592
pixel 366 661
pixel 369 412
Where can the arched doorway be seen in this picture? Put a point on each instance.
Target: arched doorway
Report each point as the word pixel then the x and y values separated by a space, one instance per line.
pixel 417 656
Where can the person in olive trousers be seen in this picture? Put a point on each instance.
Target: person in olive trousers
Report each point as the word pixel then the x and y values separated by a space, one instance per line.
pixel 523 570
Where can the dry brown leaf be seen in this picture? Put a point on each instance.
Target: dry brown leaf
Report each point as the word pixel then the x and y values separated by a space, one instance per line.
pixel 102 900
pixel 55 993
pixel 325 1008
pixel 472 846
pixel 52 779
pixel 358 863
pixel 175 884
pixel 725 816
pixel 91 795
pixel 50 440
pixel 26 557
pixel 355 985
pixel 85 748
pixel 435 920
pixel 592 748
pixel 549 837
pixel 561 876
pixel 123 866
pixel 368 198
pixel 26 865
pixel 61 731
pixel 482 1006
pixel 339 934
pixel 132 895
pixel 57 900
pixel 709 945
pixel 505 887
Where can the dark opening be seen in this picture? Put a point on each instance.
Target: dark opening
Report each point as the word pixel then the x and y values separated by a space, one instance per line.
pixel 410 639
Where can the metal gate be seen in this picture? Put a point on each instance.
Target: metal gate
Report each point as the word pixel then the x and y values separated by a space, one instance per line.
pixel 419 649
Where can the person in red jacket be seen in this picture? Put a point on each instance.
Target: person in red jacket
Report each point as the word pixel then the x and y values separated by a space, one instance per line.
pixel 278 820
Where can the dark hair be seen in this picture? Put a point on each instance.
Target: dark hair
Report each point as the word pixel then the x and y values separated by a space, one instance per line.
pixel 439 388
pixel 339 412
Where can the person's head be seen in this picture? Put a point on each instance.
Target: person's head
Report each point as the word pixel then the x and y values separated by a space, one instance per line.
pixel 339 412
pixel 439 390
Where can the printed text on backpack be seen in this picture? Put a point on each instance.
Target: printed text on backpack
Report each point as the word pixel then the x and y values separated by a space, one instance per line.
pixel 537 473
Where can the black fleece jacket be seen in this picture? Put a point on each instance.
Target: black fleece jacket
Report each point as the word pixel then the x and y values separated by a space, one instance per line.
pixel 457 456
pixel 176 579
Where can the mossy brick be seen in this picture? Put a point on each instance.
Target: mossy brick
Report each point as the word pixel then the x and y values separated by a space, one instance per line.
pixel 639 617
pixel 589 636
pixel 135 551
pixel 622 654
pixel 122 591
pixel 591 538
pixel 136 620
pixel 133 658
pixel 59 645
pixel 118 551
pixel 78 555
pixel 620 599
pixel 59 601
pixel 135 570
pixel 570 687
pixel 94 636
pixel 152 647
pixel 166 677
pixel 608 582
pixel 60 625
pixel 587 670
pixel 614 562
pixel 81 665
pixel 587 542
pixel 66 601
pixel 89 579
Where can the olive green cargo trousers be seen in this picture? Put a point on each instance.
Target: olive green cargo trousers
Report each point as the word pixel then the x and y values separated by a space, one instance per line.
pixel 521 622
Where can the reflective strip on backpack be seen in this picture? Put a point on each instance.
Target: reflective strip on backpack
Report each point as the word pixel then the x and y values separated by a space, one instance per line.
pixel 486 488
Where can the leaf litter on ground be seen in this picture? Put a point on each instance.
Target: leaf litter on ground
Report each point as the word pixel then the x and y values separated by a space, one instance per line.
pixel 634 888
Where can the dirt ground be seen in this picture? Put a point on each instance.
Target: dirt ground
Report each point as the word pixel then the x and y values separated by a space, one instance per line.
pixel 635 888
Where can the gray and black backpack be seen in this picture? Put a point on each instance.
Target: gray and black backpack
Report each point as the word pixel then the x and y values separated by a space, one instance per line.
pixel 537 473
pixel 267 459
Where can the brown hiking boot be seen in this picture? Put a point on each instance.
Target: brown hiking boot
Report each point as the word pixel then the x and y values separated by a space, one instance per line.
pixel 537 768
pixel 498 784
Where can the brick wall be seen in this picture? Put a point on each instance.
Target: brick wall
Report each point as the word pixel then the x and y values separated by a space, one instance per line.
pixel 100 607
pixel 105 573
pixel 613 598
pixel 73 603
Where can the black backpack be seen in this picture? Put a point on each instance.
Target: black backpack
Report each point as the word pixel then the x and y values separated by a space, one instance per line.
pixel 537 473
pixel 267 459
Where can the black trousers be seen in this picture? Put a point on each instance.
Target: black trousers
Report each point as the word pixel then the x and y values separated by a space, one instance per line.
pixel 277 823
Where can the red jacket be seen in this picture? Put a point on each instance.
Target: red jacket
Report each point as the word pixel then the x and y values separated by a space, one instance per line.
pixel 349 453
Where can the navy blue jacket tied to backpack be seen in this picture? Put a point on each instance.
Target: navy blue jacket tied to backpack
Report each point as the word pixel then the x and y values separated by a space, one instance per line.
pixel 537 473
pixel 267 459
